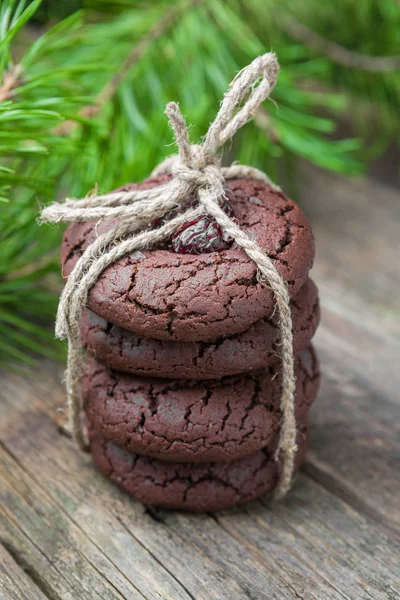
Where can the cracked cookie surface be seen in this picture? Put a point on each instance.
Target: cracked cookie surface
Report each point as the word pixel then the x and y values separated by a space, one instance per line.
pixel 194 421
pixel 251 350
pixel 185 297
pixel 196 487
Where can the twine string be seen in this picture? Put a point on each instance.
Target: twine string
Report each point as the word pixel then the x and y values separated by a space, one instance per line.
pixel 196 170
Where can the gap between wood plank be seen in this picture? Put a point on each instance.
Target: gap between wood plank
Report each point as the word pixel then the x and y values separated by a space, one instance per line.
pixel 61 508
pixel 27 578
pixel 177 532
pixel 112 488
pixel 239 538
pixel 285 514
pixel 34 575
pixel 172 522
pixel 155 557
pixel 316 471
pixel 46 413
pixel 336 535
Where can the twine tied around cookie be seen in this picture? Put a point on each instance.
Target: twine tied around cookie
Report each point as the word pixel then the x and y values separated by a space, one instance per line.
pixel 196 170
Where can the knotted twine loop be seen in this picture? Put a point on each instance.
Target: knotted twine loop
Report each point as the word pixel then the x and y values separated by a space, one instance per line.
pixel 196 170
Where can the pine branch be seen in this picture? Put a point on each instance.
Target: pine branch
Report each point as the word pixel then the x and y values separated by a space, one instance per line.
pixel 11 80
pixel 339 54
pixel 168 19
pixel 160 28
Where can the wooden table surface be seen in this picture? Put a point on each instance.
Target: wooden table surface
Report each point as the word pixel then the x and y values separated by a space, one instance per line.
pixel 68 533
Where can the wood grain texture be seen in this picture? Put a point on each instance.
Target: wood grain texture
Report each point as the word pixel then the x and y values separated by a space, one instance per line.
pixel 68 534
pixel 355 448
pixel 15 583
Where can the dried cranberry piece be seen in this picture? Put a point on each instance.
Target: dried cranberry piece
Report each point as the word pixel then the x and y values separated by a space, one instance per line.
pixel 202 235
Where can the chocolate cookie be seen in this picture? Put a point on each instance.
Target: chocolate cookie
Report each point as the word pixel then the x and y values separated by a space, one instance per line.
pixel 252 350
pixel 175 420
pixel 195 487
pixel 188 297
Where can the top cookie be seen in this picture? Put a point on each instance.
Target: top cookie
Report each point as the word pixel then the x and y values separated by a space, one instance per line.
pixel 190 297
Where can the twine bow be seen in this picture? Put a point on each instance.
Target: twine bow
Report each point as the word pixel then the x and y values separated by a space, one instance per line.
pixel 196 170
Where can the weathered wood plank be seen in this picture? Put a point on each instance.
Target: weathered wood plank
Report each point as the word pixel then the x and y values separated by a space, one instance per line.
pixel 315 541
pixel 299 580
pixel 355 435
pixel 370 356
pixel 208 561
pixel 118 525
pixel 355 449
pixel 87 565
pixel 15 584
pixel 44 533
pixel 352 555
pixel 356 226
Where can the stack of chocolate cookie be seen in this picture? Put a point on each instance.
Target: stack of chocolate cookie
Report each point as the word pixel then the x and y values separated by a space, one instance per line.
pixel 183 383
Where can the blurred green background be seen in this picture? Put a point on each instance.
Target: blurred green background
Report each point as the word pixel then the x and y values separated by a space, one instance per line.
pixel 83 87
